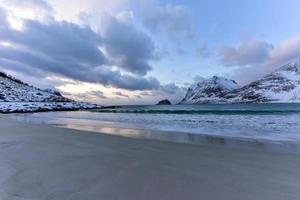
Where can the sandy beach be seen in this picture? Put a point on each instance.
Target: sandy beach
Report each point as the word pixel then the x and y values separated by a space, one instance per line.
pixel 40 162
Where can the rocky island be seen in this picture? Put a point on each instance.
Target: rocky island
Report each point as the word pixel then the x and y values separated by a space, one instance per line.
pixel 164 102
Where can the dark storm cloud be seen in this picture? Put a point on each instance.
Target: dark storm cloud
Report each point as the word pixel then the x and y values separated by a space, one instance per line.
pixel 61 41
pixel 73 51
pixel 128 47
pixel 29 64
pixel 124 81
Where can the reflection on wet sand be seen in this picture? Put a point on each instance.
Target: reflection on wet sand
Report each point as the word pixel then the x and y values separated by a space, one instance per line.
pixel 179 137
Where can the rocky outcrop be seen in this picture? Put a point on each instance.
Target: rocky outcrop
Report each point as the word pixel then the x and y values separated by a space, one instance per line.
pixel 164 102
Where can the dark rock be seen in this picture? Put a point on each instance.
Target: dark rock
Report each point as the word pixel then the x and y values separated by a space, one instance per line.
pixel 164 102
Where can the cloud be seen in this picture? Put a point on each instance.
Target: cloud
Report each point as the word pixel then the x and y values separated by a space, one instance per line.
pixel 278 55
pixel 173 20
pixel 29 9
pixel 88 96
pixel 28 4
pixel 146 93
pixel 125 16
pixel 62 48
pixel 73 51
pixel 250 52
pixel 138 96
pixel 197 79
pixel 65 10
pixel 202 51
pixel 180 51
pixel 120 94
pixel 62 41
pixel 3 19
pixel 128 47
pixel 284 52
pixel 169 91
pixel 170 88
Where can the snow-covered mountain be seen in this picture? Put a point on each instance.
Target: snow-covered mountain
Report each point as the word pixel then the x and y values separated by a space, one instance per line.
pixel 212 90
pixel 282 85
pixel 14 90
pixel 16 96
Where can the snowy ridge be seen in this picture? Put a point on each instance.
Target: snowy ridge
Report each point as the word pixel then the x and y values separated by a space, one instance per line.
pixel 212 90
pixel 16 96
pixel 287 86
pixel 282 85
pixel 13 90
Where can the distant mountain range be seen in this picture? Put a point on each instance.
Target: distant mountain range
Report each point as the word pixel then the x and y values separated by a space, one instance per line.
pixel 17 96
pixel 282 85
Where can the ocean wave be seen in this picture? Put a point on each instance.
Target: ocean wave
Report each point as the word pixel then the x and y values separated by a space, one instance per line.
pixel 201 112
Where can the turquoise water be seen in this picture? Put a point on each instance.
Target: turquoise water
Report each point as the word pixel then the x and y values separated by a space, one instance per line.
pixel 221 109
pixel 276 122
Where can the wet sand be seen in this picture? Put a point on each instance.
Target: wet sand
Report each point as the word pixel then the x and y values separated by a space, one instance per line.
pixel 44 162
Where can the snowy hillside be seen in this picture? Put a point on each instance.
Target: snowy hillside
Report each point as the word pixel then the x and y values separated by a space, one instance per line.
pixel 282 85
pixel 212 90
pixel 16 96
pixel 17 91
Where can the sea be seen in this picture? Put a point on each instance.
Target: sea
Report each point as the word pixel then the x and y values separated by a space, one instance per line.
pixel 260 122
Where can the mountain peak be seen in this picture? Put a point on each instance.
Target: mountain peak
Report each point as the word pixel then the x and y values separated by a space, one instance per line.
pixel 209 90
pixel 292 66
pixel 282 85
pixel 217 81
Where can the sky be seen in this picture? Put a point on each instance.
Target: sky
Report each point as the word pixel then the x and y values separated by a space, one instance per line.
pixel 142 51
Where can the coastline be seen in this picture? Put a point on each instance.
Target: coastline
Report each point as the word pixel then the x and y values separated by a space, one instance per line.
pixel 35 107
pixel 39 161
pixel 77 120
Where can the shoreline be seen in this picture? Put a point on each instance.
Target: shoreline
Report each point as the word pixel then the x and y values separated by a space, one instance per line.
pixel 15 107
pixel 266 145
pixel 38 161
pixel 86 125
